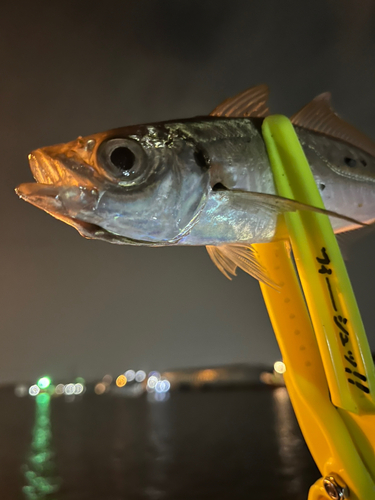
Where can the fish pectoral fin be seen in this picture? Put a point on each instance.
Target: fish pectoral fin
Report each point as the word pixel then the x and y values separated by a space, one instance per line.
pixel 251 102
pixel 278 204
pixel 228 257
pixel 319 116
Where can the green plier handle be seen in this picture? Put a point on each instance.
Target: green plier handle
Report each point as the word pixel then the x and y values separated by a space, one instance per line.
pixel 330 373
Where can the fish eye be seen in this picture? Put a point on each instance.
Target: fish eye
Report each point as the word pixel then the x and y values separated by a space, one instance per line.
pixel 123 159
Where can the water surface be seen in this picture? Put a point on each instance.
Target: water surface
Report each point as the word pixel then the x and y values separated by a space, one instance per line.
pixel 218 444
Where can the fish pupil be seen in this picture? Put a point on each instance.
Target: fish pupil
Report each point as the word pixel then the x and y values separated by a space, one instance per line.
pixel 122 158
pixel 350 162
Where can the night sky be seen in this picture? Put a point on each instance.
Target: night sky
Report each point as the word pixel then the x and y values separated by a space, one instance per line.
pixel 70 306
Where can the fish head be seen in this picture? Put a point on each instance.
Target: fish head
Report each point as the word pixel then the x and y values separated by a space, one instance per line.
pixel 141 185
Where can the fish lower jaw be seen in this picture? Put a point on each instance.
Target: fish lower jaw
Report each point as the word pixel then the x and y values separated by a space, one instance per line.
pixel 67 201
pixel 30 190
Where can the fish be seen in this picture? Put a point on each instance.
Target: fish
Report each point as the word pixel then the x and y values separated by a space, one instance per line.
pixel 204 181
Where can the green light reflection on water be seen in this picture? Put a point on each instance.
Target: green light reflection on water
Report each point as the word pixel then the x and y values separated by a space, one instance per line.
pixel 39 470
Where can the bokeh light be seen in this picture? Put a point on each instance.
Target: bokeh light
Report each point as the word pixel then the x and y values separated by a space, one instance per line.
pixel 279 367
pixel 207 375
pixel 78 388
pixel 100 388
pixel 151 382
pixel 60 389
pixel 162 386
pixel 34 390
pixel 107 379
pixel 140 376
pixel 121 381
pixel 130 375
pixel 20 390
pixel 44 382
pixel 69 389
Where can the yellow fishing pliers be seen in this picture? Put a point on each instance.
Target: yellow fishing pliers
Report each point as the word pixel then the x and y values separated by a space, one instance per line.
pixel 330 373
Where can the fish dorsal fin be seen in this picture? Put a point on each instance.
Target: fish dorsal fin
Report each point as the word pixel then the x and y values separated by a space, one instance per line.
pixel 228 257
pixel 319 116
pixel 251 102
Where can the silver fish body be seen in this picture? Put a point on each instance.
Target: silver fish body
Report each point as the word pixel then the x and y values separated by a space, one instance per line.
pixel 345 176
pixel 191 182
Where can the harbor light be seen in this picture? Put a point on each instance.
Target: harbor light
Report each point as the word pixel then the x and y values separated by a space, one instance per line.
pixel 34 390
pixel 121 381
pixel 44 382
pixel 279 367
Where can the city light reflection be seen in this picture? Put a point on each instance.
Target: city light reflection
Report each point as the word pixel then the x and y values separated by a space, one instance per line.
pixel 39 470
pixel 160 396
pixel 162 386
pixel 290 445
pixel 275 377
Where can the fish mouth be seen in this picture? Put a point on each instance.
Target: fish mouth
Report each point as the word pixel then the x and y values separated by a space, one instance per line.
pixel 64 185
pixel 53 172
